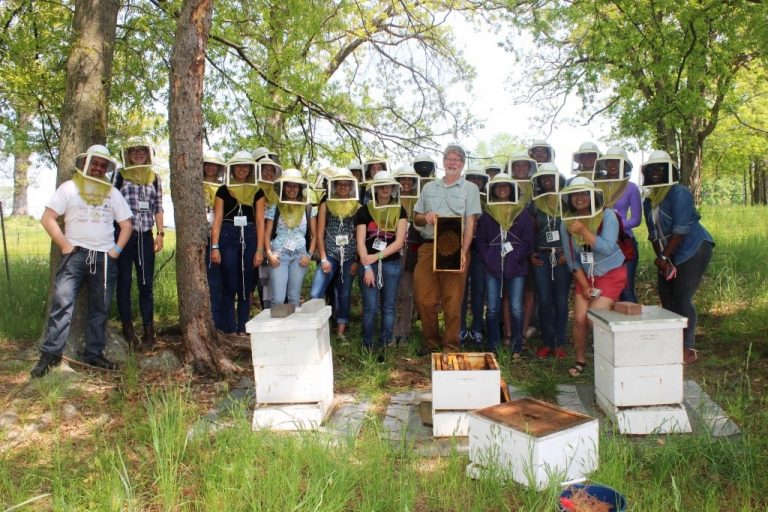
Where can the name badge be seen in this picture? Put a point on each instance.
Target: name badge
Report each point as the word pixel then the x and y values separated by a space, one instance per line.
pixel 506 248
pixel 587 258
pixel 290 245
pixel 143 206
pixel 379 245
pixel 342 240
pixel 241 220
pixel 553 236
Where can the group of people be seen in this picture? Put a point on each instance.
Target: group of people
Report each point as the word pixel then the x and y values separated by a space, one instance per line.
pixel 527 233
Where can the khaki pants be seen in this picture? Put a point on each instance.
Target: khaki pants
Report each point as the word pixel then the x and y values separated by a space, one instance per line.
pixel 432 289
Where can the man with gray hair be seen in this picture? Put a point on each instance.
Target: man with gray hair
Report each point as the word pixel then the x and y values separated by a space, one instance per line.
pixel 451 196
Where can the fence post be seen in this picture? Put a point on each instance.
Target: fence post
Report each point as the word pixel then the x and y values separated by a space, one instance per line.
pixel 5 246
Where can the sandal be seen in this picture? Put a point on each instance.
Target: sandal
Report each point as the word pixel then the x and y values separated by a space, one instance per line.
pixel 577 369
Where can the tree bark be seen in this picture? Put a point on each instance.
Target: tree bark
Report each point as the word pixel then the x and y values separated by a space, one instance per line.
pixel 21 154
pixel 85 109
pixel 185 123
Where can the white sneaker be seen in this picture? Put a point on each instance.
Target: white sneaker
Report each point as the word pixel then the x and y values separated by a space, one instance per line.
pixel 531 332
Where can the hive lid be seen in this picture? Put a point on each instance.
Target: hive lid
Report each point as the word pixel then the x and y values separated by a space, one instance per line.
pixel 533 417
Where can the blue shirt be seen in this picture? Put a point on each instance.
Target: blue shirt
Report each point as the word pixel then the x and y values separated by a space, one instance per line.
pixel 676 215
pixel 606 253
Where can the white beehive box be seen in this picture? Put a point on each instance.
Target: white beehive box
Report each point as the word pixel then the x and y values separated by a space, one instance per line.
pixel 638 358
pixel 464 381
pixel 450 423
pixel 653 419
pixel 653 338
pixel 294 383
pixel 627 386
pixel 534 442
pixel 300 338
pixel 309 416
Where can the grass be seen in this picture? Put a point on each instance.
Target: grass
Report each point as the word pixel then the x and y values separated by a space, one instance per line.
pixel 141 458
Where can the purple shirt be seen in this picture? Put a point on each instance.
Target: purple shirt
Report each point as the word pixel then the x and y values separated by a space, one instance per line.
pixel 630 201
pixel 488 240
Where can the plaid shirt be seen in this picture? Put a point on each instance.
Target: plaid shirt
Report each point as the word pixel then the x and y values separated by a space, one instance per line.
pixel 143 220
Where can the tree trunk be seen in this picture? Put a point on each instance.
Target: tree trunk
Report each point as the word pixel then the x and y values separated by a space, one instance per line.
pixel 691 154
pixel 185 123
pixel 21 154
pixel 85 108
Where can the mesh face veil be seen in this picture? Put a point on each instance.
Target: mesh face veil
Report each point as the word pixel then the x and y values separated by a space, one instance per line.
pixel 90 177
pixel 241 178
pixel 374 166
pixel 547 183
pixel 342 194
pixel 138 160
pixel 660 173
pixel 580 199
pixel 541 151
pixel 214 176
pixel 293 193
pixel 410 187
pixel 384 201
pixel 504 201
pixel 612 172
pixel 521 168
pixel 584 160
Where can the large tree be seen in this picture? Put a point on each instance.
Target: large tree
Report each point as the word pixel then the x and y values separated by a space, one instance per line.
pixel 185 121
pixel 661 70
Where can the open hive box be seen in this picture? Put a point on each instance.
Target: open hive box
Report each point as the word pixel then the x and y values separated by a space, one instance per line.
pixel 462 382
pixel 534 442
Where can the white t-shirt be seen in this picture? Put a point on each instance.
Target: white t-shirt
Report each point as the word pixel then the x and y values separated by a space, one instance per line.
pixel 89 226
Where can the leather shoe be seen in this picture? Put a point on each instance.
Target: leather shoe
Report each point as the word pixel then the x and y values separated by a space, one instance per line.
pixel 101 362
pixel 130 335
pixel 44 364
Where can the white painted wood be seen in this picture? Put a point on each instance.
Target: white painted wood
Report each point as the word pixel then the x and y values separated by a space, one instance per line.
pixel 566 455
pixel 639 385
pixel 654 419
pixel 450 423
pixel 465 389
pixel 641 347
pixel 297 383
pixel 301 338
pixel 291 416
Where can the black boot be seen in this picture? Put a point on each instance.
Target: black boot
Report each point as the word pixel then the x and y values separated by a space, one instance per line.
pixel 149 335
pixel 46 362
pixel 130 335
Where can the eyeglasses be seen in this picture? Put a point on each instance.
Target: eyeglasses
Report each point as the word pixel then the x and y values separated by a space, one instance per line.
pixel 453 160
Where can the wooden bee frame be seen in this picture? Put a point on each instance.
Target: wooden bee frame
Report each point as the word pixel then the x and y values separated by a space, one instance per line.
pixel 449 232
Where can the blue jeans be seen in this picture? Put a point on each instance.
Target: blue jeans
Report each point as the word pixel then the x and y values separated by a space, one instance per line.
pixel 76 268
pixel 384 299
pixel 237 274
pixel 474 292
pixel 515 285
pixel 214 288
pixel 139 252
pixel 628 293
pixel 677 295
pixel 553 289
pixel 343 282
pixel 286 279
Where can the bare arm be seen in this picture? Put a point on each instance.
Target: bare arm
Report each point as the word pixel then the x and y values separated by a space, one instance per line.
pixel 48 220
pixel 160 238
pixel 260 212
pixel 218 218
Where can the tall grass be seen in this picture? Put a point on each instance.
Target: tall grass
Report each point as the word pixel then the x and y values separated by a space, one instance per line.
pixel 143 460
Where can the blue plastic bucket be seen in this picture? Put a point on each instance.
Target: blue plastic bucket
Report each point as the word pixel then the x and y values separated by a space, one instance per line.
pixel 601 492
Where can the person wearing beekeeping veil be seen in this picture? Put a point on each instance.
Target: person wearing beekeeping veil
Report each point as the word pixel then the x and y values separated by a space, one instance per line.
pixel 236 240
pixel 590 238
pixel 584 160
pixel 142 188
pixel 682 244
pixel 89 252
pixel 548 262
pixel 336 242
pixel 214 176
pixel 290 240
pixel 408 179
pixel 612 176
pixel 380 234
pixel 504 241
